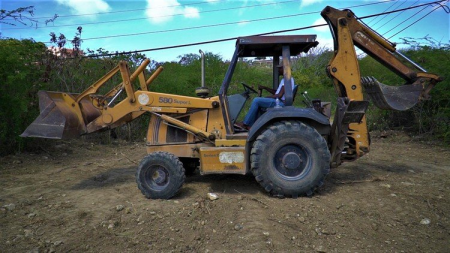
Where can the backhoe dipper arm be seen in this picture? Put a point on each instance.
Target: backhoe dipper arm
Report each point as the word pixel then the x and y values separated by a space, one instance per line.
pixel 348 31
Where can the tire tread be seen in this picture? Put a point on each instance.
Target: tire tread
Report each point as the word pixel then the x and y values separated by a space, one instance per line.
pixel 278 129
pixel 177 175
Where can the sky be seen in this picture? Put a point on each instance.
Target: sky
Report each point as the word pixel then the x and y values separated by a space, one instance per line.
pixel 148 24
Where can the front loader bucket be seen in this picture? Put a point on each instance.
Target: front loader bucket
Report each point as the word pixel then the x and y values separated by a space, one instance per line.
pixel 398 98
pixel 60 116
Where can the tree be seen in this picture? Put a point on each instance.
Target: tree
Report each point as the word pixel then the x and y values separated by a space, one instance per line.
pixel 61 40
pixel 22 15
pixel 21 76
pixel 427 41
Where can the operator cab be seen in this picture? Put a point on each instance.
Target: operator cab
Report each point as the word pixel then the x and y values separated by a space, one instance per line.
pixel 262 46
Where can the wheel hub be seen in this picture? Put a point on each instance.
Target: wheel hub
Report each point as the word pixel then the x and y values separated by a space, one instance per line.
pixel 159 177
pixel 291 160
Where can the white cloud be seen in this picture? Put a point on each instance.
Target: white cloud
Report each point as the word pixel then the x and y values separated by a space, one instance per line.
pixel 160 11
pixel 309 2
pixel 325 41
pixel 191 12
pixel 85 6
pixel 324 28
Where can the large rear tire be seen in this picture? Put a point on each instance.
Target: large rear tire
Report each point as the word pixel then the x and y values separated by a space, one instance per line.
pixel 160 175
pixel 290 159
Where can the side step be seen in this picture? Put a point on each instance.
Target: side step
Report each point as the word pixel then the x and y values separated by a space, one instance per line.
pixel 354 111
pixel 398 98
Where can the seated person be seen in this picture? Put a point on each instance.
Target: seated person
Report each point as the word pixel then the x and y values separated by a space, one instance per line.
pixel 266 102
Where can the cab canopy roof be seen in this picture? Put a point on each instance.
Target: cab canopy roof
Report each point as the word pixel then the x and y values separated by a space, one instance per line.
pixel 258 46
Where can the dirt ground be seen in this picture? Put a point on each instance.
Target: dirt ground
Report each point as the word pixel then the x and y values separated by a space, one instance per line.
pixel 77 196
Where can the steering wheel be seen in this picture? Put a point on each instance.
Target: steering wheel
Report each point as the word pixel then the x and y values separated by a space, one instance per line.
pixel 249 89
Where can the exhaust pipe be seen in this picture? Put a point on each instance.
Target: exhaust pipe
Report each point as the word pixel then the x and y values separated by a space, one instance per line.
pixel 203 67
pixel 202 91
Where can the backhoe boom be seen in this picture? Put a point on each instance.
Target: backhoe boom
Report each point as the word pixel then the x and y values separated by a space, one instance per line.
pixel 343 68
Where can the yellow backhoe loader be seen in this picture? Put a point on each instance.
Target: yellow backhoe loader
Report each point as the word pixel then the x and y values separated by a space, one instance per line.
pixel 289 150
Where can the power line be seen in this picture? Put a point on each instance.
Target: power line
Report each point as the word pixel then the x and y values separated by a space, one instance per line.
pixel 400 13
pixel 203 42
pixel 415 22
pixel 408 8
pixel 395 2
pixel 387 15
pixel 134 19
pixel 215 25
pixel 405 20
pixel 267 33
pixel 200 27
pixel 131 10
pixel 273 32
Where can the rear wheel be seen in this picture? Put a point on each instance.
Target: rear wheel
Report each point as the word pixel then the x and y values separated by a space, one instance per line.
pixel 160 175
pixel 290 159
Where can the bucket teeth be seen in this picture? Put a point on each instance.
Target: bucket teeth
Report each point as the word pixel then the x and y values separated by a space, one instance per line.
pixel 398 98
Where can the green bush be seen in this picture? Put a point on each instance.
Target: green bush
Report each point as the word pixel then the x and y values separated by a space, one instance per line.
pixel 22 74
pixel 430 117
pixel 28 67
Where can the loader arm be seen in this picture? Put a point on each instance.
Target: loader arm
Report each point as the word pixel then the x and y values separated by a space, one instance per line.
pixel 66 115
pixel 350 138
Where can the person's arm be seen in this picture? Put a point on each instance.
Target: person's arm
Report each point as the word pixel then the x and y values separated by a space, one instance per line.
pixel 279 95
pixel 261 87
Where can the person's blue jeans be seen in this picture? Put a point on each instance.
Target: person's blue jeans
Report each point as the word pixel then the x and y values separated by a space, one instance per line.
pixel 257 103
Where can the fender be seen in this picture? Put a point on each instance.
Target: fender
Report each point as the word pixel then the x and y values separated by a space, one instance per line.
pixel 308 116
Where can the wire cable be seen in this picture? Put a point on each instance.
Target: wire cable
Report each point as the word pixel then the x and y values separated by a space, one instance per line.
pixel 398 14
pixel 405 20
pixel 267 33
pixel 214 25
pixel 134 19
pixel 408 8
pixel 202 43
pixel 200 27
pixel 161 16
pixel 400 3
pixel 415 22
pixel 383 11
pixel 131 10
pixel 235 38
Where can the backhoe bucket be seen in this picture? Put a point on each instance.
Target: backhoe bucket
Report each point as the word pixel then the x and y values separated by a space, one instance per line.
pixel 59 117
pixel 398 98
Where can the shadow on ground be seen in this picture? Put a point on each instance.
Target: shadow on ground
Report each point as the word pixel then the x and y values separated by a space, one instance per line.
pixel 110 178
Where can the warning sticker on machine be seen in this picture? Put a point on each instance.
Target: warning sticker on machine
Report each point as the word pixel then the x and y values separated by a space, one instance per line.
pixel 231 157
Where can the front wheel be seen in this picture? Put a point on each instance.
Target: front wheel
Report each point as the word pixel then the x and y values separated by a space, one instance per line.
pixel 160 175
pixel 290 159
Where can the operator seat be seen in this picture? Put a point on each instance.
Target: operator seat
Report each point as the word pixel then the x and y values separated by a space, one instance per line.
pixel 294 93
